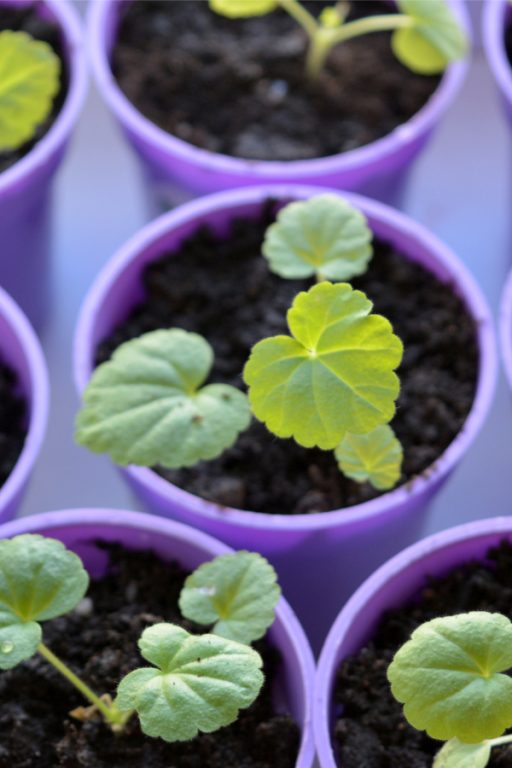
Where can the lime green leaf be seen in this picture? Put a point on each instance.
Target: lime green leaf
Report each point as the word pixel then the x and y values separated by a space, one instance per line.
pixel 375 457
pixel 39 580
pixel 449 677
pixel 237 593
pixel 331 17
pixel 323 237
pixel 29 80
pixel 146 405
pixel 235 9
pixel 200 683
pixel 433 41
pixel 334 376
pixel 455 754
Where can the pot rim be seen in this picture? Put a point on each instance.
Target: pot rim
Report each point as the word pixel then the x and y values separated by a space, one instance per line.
pixel 494 43
pixel 505 328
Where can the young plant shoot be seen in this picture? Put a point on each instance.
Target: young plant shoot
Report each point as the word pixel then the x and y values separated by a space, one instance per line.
pixel 29 81
pixel 451 678
pixel 426 35
pixel 330 384
pixel 195 682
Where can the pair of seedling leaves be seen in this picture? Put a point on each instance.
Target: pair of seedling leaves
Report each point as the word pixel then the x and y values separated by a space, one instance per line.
pixel 331 383
pixel 196 682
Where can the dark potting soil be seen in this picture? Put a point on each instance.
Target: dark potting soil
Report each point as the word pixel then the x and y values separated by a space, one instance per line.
pixel 508 40
pixel 372 732
pixel 13 415
pixel 222 289
pixel 99 641
pixel 238 86
pixel 26 19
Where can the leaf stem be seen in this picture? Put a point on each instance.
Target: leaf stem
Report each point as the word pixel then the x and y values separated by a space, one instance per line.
pixel 499 741
pixel 301 16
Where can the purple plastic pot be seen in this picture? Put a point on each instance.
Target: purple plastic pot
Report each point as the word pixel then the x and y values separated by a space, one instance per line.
pixel 21 351
pixel 79 529
pixel 342 546
pixel 26 187
pixel 175 171
pixel 497 15
pixel 391 586
pixel 505 329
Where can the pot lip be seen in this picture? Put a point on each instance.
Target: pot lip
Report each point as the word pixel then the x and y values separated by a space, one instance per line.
pixel 352 161
pixel 37 398
pixel 67 18
pixel 494 44
pixel 92 517
pixel 380 506
pixel 353 612
pixel 505 328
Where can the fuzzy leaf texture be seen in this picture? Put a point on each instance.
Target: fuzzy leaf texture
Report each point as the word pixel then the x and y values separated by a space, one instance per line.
pixel 29 81
pixel 449 676
pixel 236 9
pixel 39 580
pixel 334 375
pixel 433 41
pixel 237 593
pixel 323 237
pixel 455 754
pixel 198 683
pixel 375 458
pixel 146 405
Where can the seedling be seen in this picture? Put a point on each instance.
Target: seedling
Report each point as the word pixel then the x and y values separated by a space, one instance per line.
pixel 330 384
pixel 450 678
pixel 197 682
pixel 426 35
pixel 29 81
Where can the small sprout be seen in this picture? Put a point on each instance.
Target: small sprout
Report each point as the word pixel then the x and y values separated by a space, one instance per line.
pixel 239 8
pixel 237 593
pixel 455 754
pixel 323 237
pixel 146 405
pixel 334 375
pixel 375 457
pixel 199 683
pixel 29 81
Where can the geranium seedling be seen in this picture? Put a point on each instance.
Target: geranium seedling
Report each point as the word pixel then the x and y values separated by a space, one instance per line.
pixel 451 678
pixel 375 458
pixel 29 81
pixel 426 35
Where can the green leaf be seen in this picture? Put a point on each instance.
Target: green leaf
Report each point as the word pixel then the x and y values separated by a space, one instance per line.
pixel 334 376
pixel 375 457
pixel 449 677
pixel 323 237
pixel 237 593
pixel 235 9
pixel 200 684
pixel 435 39
pixel 455 754
pixel 29 80
pixel 39 580
pixel 146 405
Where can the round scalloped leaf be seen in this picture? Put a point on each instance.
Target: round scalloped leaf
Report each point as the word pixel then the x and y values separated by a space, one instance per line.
pixel 322 236
pixel 235 9
pixel 29 80
pixel 449 677
pixel 145 405
pixel 455 754
pixel 375 458
pixel 237 593
pixel 336 375
pixel 433 41
pixel 201 683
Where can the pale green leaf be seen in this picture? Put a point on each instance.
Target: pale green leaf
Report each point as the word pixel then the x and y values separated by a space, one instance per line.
pixel 323 237
pixel 336 375
pixel 449 677
pixel 433 41
pixel 375 457
pixel 455 754
pixel 29 80
pixel 200 683
pixel 235 9
pixel 146 405
pixel 237 593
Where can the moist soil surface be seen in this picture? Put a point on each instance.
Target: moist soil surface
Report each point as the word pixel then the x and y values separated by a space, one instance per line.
pixel 222 289
pixel 238 87
pixel 13 418
pixel 99 641
pixel 27 20
pixel 372 732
